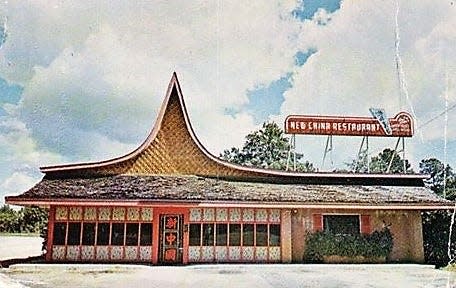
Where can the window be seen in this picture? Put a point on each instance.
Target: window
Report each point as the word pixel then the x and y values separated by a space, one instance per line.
pixel 235 234
pixel 341 224
pixel 208 234
pixel 88 234
pixel 103 234
pixel 195 235
pixel 117 234
pixel 221 235
pixel 146 234
pixel 247 235
pixel 132 234
pixel 274 235
pixel 74 234
pixel 59 233
pixel 261 236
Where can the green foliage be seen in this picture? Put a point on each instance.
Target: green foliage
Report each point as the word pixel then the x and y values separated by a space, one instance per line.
pixel 380 163
pixel 319 244
pixel 26 220
pixel 265 148
pixel 435 237
pixel 434 168
pixel 9 220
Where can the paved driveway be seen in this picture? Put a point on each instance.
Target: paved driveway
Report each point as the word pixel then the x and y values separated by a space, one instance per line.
pixel 264 276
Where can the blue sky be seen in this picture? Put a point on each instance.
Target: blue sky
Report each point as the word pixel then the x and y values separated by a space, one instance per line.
pixel 83 81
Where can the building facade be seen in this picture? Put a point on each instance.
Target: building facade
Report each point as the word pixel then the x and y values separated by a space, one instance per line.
pixel 171 202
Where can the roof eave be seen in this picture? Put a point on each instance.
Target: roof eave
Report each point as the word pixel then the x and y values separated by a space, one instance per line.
pixel 16 200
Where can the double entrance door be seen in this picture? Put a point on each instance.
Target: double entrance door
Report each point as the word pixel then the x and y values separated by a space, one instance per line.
pixel 170 239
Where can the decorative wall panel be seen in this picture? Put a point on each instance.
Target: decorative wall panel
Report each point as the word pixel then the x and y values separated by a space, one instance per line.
pixel 102 253
pixel 61 213
pixel 207 253
pixel 274 215
pixel 274 254
pixel 194 253
pixel 261 215
pixel 75 213
pixel 147 214
pixel 145 253
pixel 235 214
pixel 248 215
pixel 247 253
pixel 72 253
pixel 131 253
pixel 104 213
pixel 118 213
pixel 222 214
pixel 133 214
pixel 261 253
pixel 87 253
pixel 221 253
pixel 208 214
pixel 58 253
pixel 195 214
pixel 234 253
pixel 116 252
pixel 90 213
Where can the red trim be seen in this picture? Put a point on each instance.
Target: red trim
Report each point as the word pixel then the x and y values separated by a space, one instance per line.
pixel 366 224
pixel 317 220
pixel 50 233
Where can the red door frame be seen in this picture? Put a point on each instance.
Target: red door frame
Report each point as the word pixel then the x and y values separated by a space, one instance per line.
pixel 156 230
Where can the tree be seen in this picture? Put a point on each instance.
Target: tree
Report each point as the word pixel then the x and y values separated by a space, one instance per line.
pixel 380 163
pixel 9 221
pixel 265 148
pixel 436 223
pixel 436 182
pixel 26 220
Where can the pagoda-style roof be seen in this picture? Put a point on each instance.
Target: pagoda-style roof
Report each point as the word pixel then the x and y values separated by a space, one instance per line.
pixel 172 148
pixel 173 152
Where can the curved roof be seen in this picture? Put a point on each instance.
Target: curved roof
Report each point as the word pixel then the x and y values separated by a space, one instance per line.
pixel 172 148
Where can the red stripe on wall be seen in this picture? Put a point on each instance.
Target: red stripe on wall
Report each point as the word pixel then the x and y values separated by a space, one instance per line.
pixel 317 220
pixel 365 224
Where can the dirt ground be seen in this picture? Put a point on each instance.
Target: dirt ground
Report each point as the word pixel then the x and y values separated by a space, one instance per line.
pixel 232 275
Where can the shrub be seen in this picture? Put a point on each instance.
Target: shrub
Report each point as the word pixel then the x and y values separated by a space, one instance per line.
pixel 319 244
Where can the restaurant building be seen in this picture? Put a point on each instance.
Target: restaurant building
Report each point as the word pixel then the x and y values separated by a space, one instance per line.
pixel 171 202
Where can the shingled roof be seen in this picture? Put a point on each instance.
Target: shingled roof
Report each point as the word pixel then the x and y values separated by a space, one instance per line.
pixel 200 189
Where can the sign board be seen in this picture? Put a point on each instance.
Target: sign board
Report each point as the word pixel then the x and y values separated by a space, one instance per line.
pixel 400 125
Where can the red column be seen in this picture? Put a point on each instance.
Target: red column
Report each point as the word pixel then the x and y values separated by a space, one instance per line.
pixel 50 233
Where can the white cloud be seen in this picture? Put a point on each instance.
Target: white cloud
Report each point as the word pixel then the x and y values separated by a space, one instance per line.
pixel 101 70
pixel 94 74
pixel 16 183
pixel 354 68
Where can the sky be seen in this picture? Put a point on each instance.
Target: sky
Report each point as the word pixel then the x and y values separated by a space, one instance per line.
pixel 83 80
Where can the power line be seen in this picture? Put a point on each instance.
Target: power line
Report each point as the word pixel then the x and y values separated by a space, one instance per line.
pixel 437 116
